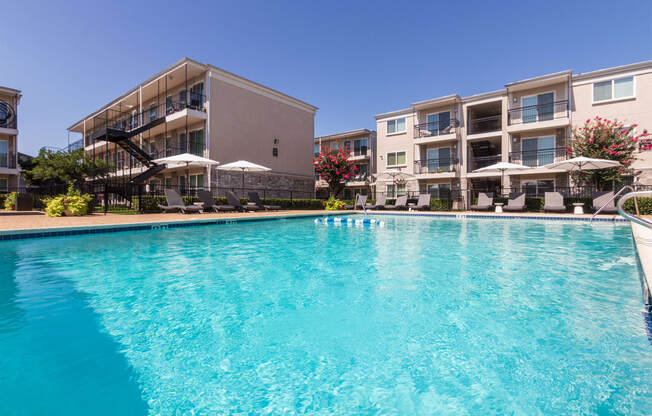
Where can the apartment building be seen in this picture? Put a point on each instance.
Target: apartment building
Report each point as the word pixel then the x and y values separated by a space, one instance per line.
pixel 361 146
pixel 440 143
pixel 9 169
pixel 197 108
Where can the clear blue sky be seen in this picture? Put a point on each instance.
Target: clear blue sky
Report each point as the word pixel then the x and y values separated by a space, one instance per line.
pixel 352 59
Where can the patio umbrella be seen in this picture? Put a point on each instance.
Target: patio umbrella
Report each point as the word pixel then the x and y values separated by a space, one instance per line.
pixel 188 159
pixel 502 167
pixel 243 166
pixel 583 163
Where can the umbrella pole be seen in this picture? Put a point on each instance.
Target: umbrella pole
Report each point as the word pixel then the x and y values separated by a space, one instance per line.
pixel 243 191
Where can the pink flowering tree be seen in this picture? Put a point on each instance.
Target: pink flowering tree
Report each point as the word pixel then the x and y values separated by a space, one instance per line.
pixel 604 139
pixel 336 169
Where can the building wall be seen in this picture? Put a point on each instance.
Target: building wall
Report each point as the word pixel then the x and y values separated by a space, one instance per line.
pixel 10 135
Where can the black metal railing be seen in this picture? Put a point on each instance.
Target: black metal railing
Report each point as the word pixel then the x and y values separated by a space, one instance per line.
pixel 485 124
pixel 7 116
pixel 481 162
pixel 540 157
pixel 541 112
pixel 8 160
pixel 434 129
pixel 536 189
pixel 453 194
pixel 439 165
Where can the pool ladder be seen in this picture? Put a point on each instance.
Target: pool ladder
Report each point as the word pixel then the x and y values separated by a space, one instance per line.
pixel 631 217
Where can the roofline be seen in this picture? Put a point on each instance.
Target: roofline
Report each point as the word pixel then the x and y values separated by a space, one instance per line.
pixel 613 70
pixel 483 95
pixel 566 72
pixel 185 61
pixel 344 134
pixel 10 90
pixel 394 113
pixel 438 100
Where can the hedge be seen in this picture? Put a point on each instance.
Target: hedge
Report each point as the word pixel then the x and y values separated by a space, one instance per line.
pixel 644 206
pixel 151 203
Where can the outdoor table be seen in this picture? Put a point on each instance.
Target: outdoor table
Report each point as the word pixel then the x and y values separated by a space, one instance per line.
pixel 578 208
pixel 499 206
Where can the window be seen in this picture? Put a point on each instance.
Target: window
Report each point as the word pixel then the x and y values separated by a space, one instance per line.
pixel 614 89
pixel 182 97
pixel 538 187
pixel 440 190
pixel 152 112
pixel 394 190
pixel 347 146
pixel 182 142
pixel 439 159
pixel 196 143
pixel 168 104
pixel 197 181
pixel 316 150
pixel 396 126
pixel 182 184
pixel 538 151
pixel 152 149
pixel 438 122
pixel 168 147
pixel 168 183
pixel 396 158
pixel 363 171
pixel 275 151
pixel 360 147
pixel 4 154
pixel 4 185
pixel 538 107
pixel 197 96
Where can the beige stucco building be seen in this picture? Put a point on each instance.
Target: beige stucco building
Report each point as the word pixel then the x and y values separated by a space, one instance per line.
pixel 361 146
pixel 440 143
pixel 197 108
pixel 9 169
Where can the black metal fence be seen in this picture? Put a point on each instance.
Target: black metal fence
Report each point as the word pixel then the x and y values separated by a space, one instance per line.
pixel 485 124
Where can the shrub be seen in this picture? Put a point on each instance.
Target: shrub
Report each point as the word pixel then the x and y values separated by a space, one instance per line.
pixel 334 204
pixel 10 201
pixel 644 206
pixel 73 203
pixel 3 197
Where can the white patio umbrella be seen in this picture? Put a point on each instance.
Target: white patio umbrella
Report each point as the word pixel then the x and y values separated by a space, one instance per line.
pixel 244 166
pixel 583 163
pixel 188 159
pixel 502 167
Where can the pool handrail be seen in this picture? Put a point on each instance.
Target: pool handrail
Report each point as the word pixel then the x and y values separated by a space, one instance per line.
pixel 631 217
pixel 611 199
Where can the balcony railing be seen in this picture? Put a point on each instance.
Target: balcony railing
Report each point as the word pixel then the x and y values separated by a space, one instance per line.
pixel 440 165
pixel 535 113
pixel 8 160
pixel 540 157
pixel 434 129
pixel 7 116
pixel 482 161
pixel 485 124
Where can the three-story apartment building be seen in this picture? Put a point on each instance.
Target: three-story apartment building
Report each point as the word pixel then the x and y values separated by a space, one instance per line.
pixel 361 147
pixel 439 144
pixel 9 169
pixel 197 108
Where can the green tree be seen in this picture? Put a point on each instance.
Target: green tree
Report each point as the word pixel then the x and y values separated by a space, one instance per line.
pixel 52 168
pixel 604 139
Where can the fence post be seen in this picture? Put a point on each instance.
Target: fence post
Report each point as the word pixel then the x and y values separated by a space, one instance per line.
pixel 106 198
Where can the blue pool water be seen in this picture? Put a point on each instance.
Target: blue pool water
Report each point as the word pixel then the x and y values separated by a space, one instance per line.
pixel 423 316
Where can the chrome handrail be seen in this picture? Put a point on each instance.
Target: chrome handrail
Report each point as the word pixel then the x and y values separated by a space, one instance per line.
pixel 631 217
pixel 611 199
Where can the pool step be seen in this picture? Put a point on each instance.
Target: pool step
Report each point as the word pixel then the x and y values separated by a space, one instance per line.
pixel 349 221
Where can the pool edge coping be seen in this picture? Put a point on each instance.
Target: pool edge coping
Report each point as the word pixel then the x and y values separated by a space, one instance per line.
pixel 643 246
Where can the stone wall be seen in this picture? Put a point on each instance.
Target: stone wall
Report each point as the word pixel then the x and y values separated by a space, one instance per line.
pixel 267 184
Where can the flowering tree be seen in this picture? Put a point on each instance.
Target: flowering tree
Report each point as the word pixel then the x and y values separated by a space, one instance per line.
pixel 335 168
pixel 604 139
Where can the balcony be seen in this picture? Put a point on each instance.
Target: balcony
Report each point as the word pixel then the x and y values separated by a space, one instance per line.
pixel 482 162
pixel 538 158
pixel 445 166
pixel 485 124
pixel 538 116
pixel 7 116
pixel 8 160
pixel 435 131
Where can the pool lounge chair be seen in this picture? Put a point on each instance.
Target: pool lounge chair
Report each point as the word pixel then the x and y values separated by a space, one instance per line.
pixel 360 202
pixel 175 203
pixel 516 202
pixel 255 198
pixel 422 204
pixel 485 202
pixel 380 203
pixel 235 201
pixel 554 201
pixel 602 198
pixel 209 203
pixel 400 203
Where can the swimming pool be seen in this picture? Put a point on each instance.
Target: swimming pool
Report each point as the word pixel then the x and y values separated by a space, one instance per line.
pixel 422 316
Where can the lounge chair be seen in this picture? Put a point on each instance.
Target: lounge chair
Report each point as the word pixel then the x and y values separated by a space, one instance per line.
pixel 209 203
pixel 516 202
pixel 175 203
pixel 485 202
pixel 380 203
pixel 400 203
pixel 360 201
pixel 422 204
pixel 255 198
pixel 602 198
pixel 235 201
pixel 554 201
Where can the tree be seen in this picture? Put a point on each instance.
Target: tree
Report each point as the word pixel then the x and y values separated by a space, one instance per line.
pixel 336 169
pixel 604 139
pixel 54 168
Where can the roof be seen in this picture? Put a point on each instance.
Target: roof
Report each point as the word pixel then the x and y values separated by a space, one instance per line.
pixel 395 113
pixel 349 133
pixel 613 70
pixel 9 90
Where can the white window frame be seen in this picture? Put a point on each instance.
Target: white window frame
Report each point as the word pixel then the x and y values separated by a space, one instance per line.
pixel 438 113
pixel 396 156
pixel 554 100
pixel 395 123
pixel 612 99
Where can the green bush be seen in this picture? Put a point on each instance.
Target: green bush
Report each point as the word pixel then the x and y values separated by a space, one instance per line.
pixel 438 204
pixel 334 204
pixel 73 203
pixel 10 201
pixel 3 197
pixel 644 206
pixel 151 203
